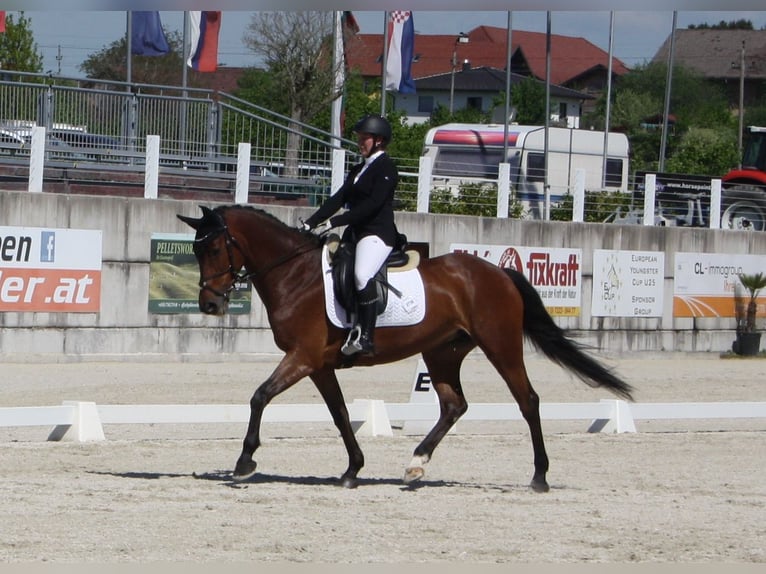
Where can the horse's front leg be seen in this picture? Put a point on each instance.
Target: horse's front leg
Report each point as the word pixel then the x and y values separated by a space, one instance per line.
pixel 290 370
pixel 443 365
pixel 327 384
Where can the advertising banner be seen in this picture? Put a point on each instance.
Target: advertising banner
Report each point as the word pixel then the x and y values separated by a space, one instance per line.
pixel 50 270
pixel 174 278
pixel 627 283
pixel 554 272
pixel 707 284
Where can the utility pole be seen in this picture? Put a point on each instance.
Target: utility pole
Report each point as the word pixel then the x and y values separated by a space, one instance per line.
pixel 741 101
pixel 668 82
pixel 59 57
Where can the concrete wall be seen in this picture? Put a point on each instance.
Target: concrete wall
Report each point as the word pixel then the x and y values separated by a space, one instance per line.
pixel 125 328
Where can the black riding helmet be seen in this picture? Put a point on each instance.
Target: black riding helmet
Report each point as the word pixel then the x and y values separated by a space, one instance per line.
pixel 375 125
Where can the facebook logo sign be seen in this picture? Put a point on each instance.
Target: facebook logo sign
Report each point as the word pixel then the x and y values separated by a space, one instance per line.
pixel 47 246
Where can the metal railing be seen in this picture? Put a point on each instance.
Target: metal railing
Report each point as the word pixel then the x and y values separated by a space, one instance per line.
pixel 107 122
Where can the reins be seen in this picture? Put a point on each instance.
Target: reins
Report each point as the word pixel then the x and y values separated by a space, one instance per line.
pixel 231 242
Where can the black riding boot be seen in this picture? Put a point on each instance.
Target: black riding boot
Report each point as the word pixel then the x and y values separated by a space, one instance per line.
pixel 360 339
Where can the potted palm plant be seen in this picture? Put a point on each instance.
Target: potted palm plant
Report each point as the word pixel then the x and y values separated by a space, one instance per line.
pixel 748 340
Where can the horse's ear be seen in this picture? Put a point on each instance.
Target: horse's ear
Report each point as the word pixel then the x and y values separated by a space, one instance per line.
pixel 192 222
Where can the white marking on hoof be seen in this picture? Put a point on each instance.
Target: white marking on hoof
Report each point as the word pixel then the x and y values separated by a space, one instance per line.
pixel 416 469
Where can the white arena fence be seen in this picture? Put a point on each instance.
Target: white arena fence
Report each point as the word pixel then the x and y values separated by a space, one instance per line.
pixel 83 421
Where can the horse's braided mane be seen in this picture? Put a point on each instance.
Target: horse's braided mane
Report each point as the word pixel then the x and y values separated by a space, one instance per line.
pixel 268 215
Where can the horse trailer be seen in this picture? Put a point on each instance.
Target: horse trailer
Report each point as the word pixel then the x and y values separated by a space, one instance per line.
pixel 470 153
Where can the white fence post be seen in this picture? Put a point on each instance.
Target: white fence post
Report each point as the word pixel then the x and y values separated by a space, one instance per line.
pixel 620 421
pixel 376 423
pixel 650 187
pixel 424 183
pixel 715 204
pixel 578 205
pixel 503 189
pixel 86 424
pixel 243 173
pixel 37 159
pixel 152 167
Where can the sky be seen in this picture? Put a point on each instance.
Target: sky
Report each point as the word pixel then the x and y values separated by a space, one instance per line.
pixel 67 38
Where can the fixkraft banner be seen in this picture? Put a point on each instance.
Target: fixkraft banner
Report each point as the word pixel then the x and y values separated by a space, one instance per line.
pixel 555 272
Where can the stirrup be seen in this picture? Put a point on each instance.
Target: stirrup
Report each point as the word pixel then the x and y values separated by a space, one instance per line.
pixel 352 344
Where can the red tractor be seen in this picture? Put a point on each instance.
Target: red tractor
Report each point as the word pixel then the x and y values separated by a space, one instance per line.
pixel 743 194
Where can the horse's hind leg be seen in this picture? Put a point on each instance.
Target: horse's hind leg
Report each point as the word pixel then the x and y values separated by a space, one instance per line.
pixel 443 365
pixel 328 386
pixel 506 353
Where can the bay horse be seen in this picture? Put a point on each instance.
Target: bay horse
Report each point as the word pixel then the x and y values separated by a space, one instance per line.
pixel 469 303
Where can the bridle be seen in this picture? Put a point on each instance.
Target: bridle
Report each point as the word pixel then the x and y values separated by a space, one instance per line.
pixel 231 244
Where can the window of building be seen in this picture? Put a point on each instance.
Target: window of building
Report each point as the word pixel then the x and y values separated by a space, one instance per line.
pixel 562 111
pixel 473 103
pixel 426 104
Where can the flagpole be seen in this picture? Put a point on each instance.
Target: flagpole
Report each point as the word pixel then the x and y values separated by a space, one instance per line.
pixel 337 102
pixel 547 204
pixel 608 99
pixel 185 50
pixel 129 45
pixel 184 80
pixel 508 54
pixel 385 66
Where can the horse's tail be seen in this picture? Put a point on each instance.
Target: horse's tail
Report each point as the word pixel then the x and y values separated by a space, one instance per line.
pixel 553 342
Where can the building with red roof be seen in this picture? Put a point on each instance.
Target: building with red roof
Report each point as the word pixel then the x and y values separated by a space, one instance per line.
pixel 576 63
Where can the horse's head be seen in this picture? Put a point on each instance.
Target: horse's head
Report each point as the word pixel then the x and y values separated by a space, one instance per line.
pixel 219 260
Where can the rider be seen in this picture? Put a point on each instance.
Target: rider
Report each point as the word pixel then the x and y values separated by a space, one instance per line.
pixel 368 195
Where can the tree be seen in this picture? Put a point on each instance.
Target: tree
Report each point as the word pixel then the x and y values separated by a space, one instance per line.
pixel 18 49
pixel 741 24
pixel 704 151
pixel 638 106
pixel 110 63
pixel 297 51
pixel 528 97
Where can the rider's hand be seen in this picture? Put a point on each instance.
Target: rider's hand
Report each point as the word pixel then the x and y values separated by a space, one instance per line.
pixel 323 227
pixel 303 226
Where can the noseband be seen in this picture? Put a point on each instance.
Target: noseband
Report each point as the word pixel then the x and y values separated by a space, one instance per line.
pixel 236 276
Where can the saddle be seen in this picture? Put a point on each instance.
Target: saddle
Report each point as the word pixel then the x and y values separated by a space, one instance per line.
pixel 341 254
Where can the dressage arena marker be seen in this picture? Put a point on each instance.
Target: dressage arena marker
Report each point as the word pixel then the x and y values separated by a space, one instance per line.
pixel 83 421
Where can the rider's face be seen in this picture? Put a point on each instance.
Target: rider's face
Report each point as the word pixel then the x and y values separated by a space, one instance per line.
pixel 366 143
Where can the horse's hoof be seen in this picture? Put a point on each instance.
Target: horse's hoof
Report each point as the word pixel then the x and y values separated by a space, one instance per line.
pixel 413 474
pixel 349 482
pixel 539 485
pixel 244 470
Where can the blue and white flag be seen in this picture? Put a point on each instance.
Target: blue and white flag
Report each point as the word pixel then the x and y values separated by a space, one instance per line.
pixel 147 36
pixel 401 46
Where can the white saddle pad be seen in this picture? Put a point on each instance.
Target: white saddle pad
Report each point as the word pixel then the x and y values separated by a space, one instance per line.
pixel 409 309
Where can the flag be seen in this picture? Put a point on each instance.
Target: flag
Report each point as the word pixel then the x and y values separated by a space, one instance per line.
pixel 147 36
pixel 2 21
pixel 203 41
pixel 401 45
pixel 349 22
pixel 346 26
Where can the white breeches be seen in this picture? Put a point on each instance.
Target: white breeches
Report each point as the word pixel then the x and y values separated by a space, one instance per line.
pixel 371 253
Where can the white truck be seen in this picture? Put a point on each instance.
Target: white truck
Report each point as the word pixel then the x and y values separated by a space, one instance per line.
pixel 470 153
